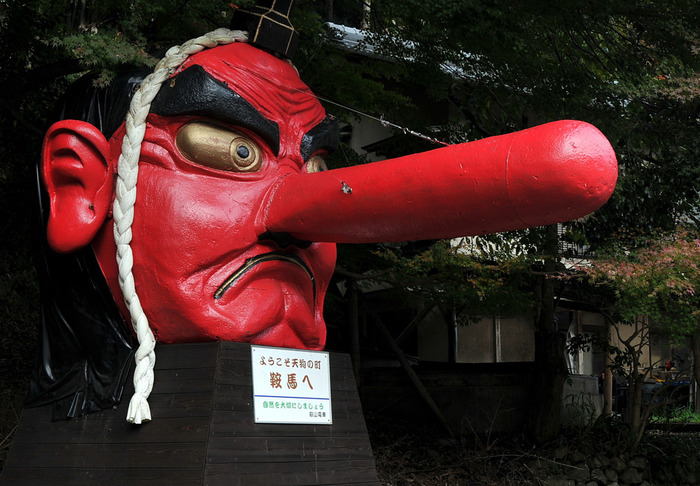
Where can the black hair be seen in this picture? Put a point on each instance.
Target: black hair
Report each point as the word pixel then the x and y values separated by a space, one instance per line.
pixel 85 346
pixel 102 106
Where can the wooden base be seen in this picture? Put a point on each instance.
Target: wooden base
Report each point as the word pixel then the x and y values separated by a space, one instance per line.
pixel 202 433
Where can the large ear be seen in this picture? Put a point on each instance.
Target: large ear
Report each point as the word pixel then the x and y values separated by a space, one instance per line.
pixel 78 174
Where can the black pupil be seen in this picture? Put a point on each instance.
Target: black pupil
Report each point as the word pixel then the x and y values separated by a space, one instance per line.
pixel 243 152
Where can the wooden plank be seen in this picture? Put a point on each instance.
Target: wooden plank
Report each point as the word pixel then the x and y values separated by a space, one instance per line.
pixel 183 356
pixel 111 456
pixel 114 430
pixel 354 471
pixel 343 379
pixel 233 398
pixel 237 424
pixel 286 449
pixel 234 351
pixel 167 405
pixel 341 360
pixel 346 401
pixel 162 406
pixel 203 421
pixel 103 477
pixel 190 380
pixel 234 372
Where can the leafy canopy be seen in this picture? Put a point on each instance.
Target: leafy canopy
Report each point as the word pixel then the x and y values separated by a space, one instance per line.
pixel 661 281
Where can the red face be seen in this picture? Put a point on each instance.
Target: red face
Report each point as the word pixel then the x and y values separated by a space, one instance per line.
pixel 226 193
pixel 204 268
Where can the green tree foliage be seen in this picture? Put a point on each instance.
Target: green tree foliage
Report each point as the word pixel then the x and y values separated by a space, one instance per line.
pixel 627 67
pixel 660 281
pixel 654 287
pixel 453 279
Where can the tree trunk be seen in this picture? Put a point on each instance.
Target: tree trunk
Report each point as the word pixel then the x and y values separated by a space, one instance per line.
pixel 696 365
pixel 608 379
pixel 634 402
pixel 451 322
pixel 635 409
pixel 366 9
pixel 329 10
pixel 544 420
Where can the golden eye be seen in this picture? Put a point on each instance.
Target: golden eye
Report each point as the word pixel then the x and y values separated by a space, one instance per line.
pixel 316 164
pixel 218 147
pixel 245 155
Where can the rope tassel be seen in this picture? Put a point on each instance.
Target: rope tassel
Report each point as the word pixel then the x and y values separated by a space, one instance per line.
pixel 128 168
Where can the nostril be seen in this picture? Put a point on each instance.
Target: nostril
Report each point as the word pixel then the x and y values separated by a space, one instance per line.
pixel 284 240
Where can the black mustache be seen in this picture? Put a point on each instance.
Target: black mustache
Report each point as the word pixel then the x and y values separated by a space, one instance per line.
pixel 264 257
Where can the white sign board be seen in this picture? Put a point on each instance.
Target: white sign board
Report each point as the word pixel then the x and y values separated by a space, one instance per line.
pixel 291 386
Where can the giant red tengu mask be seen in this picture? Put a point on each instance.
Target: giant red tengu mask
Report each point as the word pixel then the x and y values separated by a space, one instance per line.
pixel 234 217
pixel 232 229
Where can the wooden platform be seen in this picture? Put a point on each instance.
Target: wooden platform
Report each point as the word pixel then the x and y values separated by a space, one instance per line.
pixel 202 433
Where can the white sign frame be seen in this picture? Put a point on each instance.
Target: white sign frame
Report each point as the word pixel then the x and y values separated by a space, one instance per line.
pixel 291 386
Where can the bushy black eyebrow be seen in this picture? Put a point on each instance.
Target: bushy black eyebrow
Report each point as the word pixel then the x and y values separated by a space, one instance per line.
pixel 325 135
pixel 196 92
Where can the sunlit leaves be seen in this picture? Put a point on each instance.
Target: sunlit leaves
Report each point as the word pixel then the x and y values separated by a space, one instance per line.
pixel 452 278
pixel 104 51
pixel 661 281
pixel 628 67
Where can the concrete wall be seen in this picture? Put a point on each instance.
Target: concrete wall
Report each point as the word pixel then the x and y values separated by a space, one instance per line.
pixel 581 403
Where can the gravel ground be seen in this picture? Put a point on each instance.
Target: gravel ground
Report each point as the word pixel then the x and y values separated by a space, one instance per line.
pixel 406 454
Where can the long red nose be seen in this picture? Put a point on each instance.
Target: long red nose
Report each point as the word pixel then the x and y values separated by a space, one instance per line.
pixel 543 175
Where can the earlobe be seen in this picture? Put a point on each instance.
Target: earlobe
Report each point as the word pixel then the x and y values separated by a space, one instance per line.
pixel 78 175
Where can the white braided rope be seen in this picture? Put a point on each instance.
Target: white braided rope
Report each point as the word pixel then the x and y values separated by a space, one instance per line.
pixel 128 170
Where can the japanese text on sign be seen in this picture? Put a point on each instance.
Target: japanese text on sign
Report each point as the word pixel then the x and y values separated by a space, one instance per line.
pixel 291 386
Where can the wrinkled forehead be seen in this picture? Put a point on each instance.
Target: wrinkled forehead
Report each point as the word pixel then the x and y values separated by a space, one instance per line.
pixel 263 90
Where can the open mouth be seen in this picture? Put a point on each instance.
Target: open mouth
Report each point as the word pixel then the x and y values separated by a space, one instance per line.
pixel 264 257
